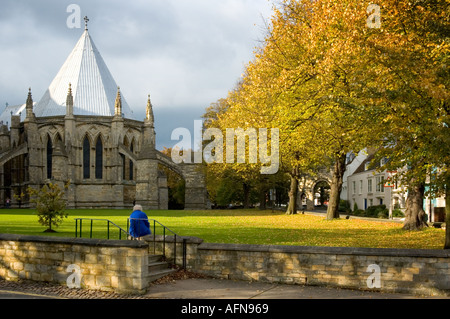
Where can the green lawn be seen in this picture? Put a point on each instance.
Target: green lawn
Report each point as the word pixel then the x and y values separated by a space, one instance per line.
pixel 240 226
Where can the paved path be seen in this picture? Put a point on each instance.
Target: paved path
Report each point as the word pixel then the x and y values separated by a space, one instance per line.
pixel 200 288
pixel 230 289
pixel 215 298
pixel 9 294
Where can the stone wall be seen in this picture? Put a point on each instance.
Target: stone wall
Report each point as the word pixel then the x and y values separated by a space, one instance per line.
pixel 195 192
pixel 108 265
pixel 98 195
pixel 389 270
pixel 122 266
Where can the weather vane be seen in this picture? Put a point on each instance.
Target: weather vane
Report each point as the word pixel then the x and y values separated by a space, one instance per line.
pixel 86 20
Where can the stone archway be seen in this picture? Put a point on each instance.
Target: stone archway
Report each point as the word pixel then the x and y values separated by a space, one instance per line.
pixel 171 188
pixel 309 187
pixel 14 174
pixel 195 194
pixel 321 192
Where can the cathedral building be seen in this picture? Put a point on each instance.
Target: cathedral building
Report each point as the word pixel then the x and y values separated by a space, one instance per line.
pixel 83 133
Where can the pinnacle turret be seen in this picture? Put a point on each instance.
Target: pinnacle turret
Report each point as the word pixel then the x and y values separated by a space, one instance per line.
pixel 69 102
pixel 149 112
pixel 29 105
pixel 118 104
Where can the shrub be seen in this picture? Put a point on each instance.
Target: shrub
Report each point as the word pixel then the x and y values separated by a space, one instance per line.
pixel 378 211
pixel 397 213
pixel 344 206
pixel 383 213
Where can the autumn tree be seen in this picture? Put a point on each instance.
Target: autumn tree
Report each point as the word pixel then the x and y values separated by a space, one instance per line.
pixel 312 79
pixel 334 84
pixel 256 103
pixel 222 172
pixel 223 177
pixel 411 50
pixel 323 69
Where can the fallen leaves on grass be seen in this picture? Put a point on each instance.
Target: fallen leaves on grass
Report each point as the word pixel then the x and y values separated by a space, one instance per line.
pixel 181 274
pixel 267 228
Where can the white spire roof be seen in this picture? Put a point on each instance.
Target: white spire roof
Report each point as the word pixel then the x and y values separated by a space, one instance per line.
pixel 93 87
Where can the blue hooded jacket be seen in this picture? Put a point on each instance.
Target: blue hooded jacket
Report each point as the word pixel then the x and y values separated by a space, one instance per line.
pixel 139 225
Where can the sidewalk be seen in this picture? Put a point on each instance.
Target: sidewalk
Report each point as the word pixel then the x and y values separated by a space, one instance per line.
pixel 323 213
pixel 199 288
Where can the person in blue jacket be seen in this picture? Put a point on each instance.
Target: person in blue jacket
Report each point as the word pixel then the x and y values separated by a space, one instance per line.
pixel 139 225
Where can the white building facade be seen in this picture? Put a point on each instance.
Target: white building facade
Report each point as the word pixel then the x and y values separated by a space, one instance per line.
pixel 368 186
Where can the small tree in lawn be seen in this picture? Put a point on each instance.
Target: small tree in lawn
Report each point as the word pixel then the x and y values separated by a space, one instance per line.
pixel 50 205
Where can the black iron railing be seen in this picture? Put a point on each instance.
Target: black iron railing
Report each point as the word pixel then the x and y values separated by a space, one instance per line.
pixel 164 231
pixel 128 236
pixel 79 230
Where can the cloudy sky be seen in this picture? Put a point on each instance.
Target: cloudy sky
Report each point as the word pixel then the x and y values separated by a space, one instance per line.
pixel 185 53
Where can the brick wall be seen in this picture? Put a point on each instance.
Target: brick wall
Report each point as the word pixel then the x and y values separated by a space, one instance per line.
pixel 108 265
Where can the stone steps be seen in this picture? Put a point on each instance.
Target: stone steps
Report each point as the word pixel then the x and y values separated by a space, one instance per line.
pixel 157 268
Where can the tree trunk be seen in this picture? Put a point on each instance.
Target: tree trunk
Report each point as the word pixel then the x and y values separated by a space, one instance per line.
pixel 49 229
pixel 414 213
pixel 246 188
pixel 292 206
pixel 262 199
pixel 447 214
pixel 336 187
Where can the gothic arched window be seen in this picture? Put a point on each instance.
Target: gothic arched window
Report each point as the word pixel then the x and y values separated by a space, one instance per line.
pixel 99 159
pixel 86 158
pixel 124 176
pixel 58 138
pixel 49 157
pixel 131 162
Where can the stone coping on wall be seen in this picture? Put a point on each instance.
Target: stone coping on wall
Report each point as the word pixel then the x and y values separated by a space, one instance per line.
pixel 73 240
pixel 171 239
pixel 397 252
pixel 394 252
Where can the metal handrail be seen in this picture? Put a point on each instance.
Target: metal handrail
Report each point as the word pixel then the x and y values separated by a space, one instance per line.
pixel 91 226
pixel 164 239
pixel 127 232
